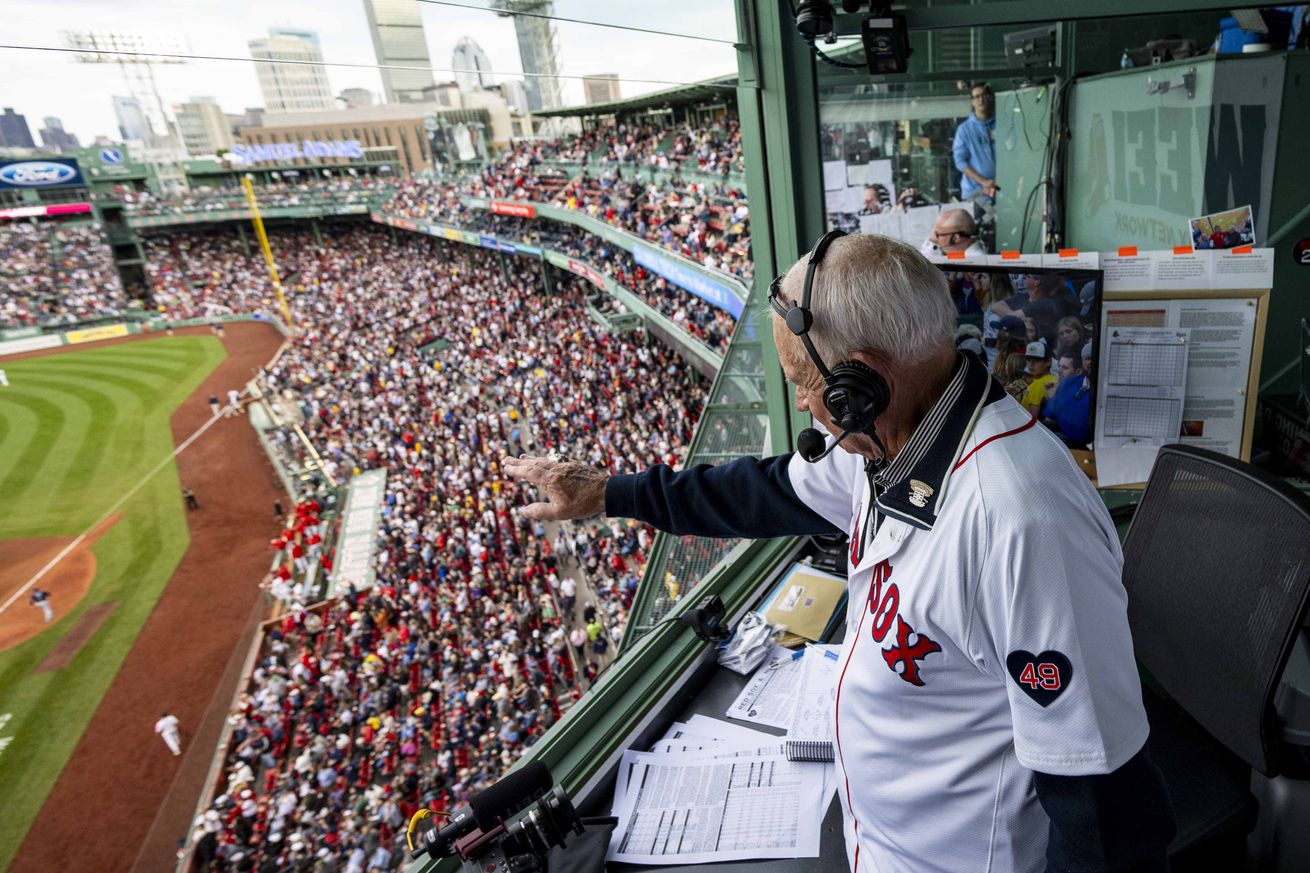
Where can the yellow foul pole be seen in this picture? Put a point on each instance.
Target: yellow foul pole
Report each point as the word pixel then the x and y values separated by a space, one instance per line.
pixel 268 252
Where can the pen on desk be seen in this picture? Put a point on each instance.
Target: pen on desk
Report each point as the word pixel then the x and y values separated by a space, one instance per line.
pixel 827 653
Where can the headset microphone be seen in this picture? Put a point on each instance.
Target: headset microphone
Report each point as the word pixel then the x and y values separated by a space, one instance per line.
pixel 812 446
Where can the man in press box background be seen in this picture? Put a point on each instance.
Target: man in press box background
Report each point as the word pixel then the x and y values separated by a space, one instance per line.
pixel 989 713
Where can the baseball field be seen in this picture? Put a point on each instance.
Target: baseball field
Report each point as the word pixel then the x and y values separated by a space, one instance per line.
pixel 91 511
pixel 80 431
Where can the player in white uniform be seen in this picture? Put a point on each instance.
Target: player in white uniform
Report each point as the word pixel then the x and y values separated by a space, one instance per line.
pixel 167 728
pixel 989 715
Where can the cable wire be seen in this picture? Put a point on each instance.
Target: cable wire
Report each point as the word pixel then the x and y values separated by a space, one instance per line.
pixel 193 57
pixel 517 12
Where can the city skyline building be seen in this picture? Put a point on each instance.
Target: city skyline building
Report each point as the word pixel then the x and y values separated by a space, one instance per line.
pixel 471 65
pixel 203 126
pixel 133 125
pixel 396 27
pixel 54 137
pixel 14 131
pixel 538 51
pixel 300 84
pixel 601 88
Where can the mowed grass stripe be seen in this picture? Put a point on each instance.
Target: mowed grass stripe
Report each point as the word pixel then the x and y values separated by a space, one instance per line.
pixel 163 370
pixel 76 451
pixel 105 412
pixel 51 425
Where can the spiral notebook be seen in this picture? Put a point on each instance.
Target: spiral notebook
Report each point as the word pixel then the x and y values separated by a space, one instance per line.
pixel 808 750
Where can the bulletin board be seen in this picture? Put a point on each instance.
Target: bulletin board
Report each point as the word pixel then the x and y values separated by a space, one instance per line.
pixel 1222 331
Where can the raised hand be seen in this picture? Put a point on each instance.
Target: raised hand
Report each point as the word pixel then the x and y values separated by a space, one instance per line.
pixel 573 489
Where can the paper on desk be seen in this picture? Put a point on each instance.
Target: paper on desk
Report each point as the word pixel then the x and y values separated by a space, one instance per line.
pixel 770 695
pixel 817 700
pixel 683 810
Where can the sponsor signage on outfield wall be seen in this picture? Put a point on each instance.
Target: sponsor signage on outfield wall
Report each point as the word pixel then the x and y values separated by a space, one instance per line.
pixel 294 151
pixel 488 242
pixel 712 292
pixel 30 344
pixel 353 570
pixel 518 210
pixel 39 211
pixel 46 173
pixel 91 334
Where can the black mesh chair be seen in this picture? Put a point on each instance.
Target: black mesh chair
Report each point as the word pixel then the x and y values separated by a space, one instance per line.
pixel 1217 567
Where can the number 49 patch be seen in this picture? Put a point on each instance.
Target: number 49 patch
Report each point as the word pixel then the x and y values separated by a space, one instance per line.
pixel 1043 677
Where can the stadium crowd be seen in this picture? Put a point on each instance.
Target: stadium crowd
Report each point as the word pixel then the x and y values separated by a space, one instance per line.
pixel 423 689
pixel 342 190
pixel 706 222
pixel 56 274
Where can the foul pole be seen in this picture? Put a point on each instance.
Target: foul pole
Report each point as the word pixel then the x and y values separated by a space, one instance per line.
pixel 268 252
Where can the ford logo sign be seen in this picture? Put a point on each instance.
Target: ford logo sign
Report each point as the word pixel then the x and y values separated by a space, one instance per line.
pixel 37 173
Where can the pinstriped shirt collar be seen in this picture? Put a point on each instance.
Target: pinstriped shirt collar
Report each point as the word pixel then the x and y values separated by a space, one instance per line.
pixel 912 486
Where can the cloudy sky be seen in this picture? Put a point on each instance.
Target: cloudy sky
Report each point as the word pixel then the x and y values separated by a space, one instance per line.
pixel 38 84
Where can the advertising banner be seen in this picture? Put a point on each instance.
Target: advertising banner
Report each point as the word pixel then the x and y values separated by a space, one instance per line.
pixel 39 211
pixel 30 344
pixel 91 334
pixel 45 173
pixel 518 210
pixel 712 292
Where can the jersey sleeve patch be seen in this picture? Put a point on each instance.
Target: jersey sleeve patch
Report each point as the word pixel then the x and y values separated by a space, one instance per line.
pixel 1043 676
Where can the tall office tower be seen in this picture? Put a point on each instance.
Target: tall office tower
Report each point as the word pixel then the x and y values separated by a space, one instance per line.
pixel 299 86
pixel 14 130
pixel 601 88
pixel 472 66
pixel 53 136
pixel 133 126
pixel 398 41
pixel 309 36
pixel 204 127
pixel 515 95
pixel 537 49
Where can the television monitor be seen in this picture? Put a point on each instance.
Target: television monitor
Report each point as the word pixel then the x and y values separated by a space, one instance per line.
pixel 1032 326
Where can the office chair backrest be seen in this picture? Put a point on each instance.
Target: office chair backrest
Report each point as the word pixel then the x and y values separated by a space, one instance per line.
pixel 1217 567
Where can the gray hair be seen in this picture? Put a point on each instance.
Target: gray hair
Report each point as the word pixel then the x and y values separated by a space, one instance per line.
pixel 874 293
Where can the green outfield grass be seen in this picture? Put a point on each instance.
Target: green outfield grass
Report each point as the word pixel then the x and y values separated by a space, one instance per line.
pixel 77 431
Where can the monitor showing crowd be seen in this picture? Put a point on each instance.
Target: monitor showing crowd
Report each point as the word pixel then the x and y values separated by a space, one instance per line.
pixel 1035 328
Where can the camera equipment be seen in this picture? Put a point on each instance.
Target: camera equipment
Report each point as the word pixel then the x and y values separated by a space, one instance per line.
pixel 707 619
pixel 814 18
pixel 478 834
pixel 886 43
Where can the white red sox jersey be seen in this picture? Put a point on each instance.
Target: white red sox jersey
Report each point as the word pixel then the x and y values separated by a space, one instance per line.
pixel 986 637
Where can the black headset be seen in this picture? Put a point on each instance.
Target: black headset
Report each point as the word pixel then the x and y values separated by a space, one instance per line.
pixel 854 393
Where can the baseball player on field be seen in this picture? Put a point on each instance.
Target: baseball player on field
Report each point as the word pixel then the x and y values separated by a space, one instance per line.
pixel 167 728
pixel 989 714
pixel 40 598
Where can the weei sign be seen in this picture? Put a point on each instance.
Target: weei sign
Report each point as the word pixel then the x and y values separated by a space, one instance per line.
pixel 714 293
pixel 243 153
pixel 44 173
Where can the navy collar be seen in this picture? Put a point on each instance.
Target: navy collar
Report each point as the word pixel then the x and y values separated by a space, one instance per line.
pixel 914 484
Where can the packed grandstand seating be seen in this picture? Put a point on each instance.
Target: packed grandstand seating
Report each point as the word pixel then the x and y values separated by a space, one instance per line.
pixel 342 190
pixel 424 689
pixel 56 274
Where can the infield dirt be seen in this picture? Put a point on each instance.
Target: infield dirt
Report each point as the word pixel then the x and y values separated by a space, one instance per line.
pixel 121 784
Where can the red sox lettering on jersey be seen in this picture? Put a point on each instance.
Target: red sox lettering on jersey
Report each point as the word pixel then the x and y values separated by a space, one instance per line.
pixel 884 602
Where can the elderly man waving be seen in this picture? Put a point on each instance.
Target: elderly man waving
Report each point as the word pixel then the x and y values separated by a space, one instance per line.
pixel 989 714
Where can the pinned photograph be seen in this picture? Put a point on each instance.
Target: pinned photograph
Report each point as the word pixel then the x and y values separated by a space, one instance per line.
pixel 1223 230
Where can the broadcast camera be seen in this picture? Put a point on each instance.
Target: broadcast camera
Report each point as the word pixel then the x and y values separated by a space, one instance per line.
pixel 480 836
pixel 884 35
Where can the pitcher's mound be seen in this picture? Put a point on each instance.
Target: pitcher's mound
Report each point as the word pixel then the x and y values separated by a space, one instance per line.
pixel 67 581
